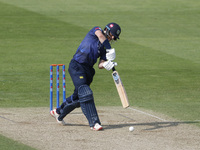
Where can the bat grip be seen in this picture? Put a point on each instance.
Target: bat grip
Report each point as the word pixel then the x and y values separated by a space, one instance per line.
pixel 113 68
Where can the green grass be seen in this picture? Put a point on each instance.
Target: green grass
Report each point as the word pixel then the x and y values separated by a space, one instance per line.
pixel 158 52
pixel 8 144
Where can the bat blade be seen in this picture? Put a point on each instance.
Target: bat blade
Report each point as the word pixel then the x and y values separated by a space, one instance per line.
pixel 120 89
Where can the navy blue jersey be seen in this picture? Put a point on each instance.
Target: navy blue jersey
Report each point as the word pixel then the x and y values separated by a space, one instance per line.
pixel 90 49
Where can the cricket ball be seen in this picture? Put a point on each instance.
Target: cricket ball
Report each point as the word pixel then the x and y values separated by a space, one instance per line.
pixel 131 128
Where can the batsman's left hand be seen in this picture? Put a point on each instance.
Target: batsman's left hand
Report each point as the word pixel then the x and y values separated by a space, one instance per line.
pixel 110 54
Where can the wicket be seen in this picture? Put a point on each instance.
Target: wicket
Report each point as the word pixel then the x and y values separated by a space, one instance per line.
pixel 57 84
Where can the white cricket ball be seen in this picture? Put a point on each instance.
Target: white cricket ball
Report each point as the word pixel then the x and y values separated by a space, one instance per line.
pixel 131 128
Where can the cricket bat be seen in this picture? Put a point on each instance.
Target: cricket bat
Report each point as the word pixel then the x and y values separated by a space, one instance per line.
pixel 120 88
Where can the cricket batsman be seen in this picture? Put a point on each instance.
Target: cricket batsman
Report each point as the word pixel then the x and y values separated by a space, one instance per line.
pixel 96 44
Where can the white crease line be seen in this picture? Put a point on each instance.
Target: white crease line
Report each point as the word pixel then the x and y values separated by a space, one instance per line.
pixel 147 114
pixel 8 119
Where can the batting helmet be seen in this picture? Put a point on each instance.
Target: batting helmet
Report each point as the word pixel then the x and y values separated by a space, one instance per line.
pixel 114 29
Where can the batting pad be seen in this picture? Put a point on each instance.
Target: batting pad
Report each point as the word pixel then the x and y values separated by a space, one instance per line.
pixel 87 104
pixel 69 107
pixel 89 110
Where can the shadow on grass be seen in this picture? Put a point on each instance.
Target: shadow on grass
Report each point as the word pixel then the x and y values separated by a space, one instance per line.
pixel 151 125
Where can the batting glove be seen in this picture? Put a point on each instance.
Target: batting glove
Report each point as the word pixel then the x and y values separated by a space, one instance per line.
pixel 108 65
pixel 110 54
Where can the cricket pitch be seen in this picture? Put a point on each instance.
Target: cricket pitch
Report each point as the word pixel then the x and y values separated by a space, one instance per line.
pixel 36 128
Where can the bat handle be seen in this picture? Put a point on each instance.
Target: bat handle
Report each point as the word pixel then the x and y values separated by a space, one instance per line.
pixel 113 68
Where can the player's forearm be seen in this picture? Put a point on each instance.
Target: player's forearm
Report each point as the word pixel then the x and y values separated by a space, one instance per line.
pixel 100 36
pixel 101 64
pixel 103 39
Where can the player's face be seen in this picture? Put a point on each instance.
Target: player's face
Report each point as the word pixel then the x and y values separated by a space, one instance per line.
pixel 111 37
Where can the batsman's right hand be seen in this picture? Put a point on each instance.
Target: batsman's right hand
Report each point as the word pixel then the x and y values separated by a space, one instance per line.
pixel 108 65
